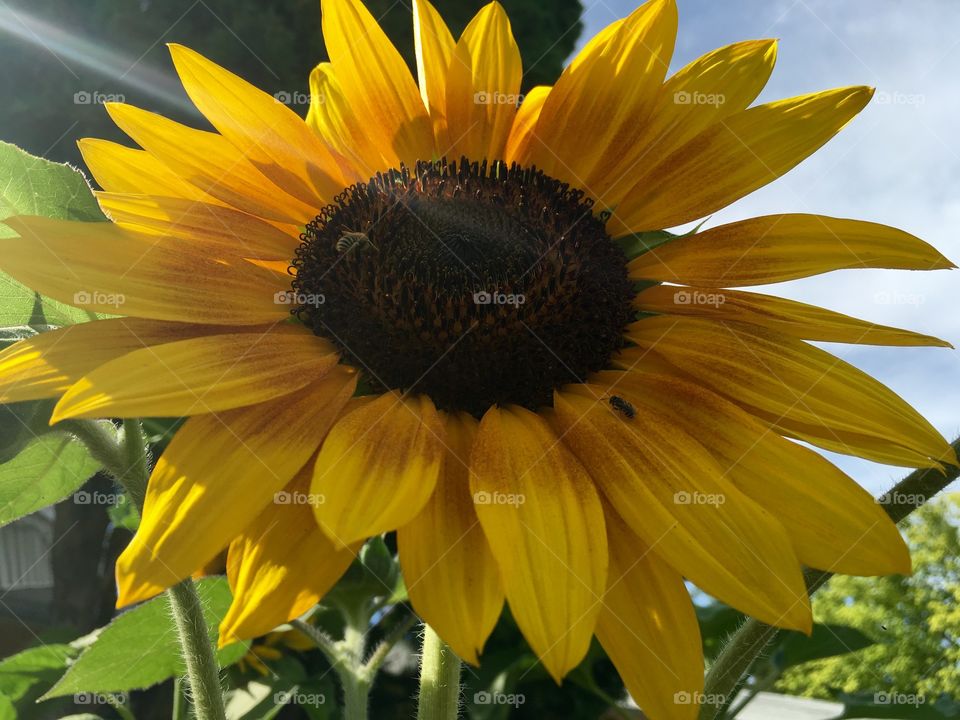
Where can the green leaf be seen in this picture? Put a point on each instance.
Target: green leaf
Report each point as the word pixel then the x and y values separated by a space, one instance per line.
pixel 825 641
pixel 33 666
pixel 35 186
pixel 140 648
pixel 48 469
pixel 7 709
pixel 901 706
pixel 20 423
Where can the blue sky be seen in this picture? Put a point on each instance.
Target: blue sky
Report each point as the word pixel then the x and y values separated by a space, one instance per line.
pixel 898 163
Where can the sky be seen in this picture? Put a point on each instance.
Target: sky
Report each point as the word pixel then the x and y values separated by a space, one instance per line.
pixel 897 163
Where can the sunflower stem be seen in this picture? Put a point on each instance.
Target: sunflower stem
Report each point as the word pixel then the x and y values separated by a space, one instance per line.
pixel 356 697
pixel 439 679
pixel 179 700
pixel 740 652
pixel 203 671
pixel 136 462
pixel 346 658
pixel 100 437
pixel 379 655
pixel 126 457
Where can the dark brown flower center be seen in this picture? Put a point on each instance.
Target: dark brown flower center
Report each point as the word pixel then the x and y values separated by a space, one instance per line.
pixel 476 284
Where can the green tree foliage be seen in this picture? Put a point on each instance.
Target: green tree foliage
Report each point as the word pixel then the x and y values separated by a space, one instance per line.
pixel 63 58
pixel 915 620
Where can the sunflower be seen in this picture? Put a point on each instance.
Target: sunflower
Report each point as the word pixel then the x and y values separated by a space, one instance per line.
pixel 422 310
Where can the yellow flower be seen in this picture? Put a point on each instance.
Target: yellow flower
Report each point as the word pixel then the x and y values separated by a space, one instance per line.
pixel 535 427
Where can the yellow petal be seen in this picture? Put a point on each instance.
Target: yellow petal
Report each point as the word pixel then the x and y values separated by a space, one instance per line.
pixel 268 133
pixel 224 231
pixel 378 467
pixel 525 123
pixel 215 478
pixel 710 88
pixel 789 317
pixel 45 365
pixel 483 87
pixel 434 48
pixel 201 375
pixel 333 119
pixel 211 163
pixel 451 575
pixel 376 82
pixel 649 629
pixel 796 388
pixel 121 169
pixel 543 520
pixel 281 565
pixel 833 523
pixel 587 131
pixel 672 493
pixel 103 268
pixel 734 157
pixel 776 248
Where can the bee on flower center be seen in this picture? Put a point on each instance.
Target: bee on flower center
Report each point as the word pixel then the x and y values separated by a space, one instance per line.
pixel 351 241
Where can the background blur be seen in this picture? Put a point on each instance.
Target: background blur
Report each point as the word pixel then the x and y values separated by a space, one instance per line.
pixel 62 59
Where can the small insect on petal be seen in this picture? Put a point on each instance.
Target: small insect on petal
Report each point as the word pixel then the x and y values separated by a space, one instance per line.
pixel 623 407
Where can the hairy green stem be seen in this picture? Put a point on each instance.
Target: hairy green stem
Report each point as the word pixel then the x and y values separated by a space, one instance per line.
pixel 439 679
pixel 346 657
pixel 135 456
pixel 125 456
pixel 202 669
pixel 379 655
pixel 180 711
pixel 753 637
pixel 122 710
